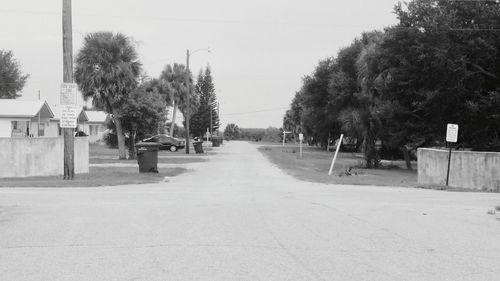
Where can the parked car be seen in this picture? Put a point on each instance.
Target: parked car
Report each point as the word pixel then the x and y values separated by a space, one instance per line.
pixel 167 142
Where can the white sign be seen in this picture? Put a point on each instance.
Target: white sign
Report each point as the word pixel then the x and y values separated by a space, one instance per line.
pixel 69 114
pixel 452 133
pixel 68 93
pixel 301 137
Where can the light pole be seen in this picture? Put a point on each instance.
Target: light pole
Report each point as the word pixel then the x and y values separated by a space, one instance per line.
pixel 188 92
pixel 212 105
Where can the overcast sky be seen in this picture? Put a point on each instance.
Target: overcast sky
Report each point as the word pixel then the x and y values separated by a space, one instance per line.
pixel 260 48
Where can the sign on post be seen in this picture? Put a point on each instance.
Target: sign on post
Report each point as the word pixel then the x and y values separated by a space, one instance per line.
pixel 452 133
pixel 69 93
pixel 451 136
pixel 301 138
pixel 69 114
pixel 284 136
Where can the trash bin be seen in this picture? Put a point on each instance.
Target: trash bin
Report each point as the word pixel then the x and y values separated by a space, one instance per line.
pixel 216 141
pixel 198 146
pixel 147 156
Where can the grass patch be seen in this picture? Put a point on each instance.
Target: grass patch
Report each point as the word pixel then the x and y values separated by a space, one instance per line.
pixel 102 150
pixel 315 164
pixel 99 151
pixel 98 176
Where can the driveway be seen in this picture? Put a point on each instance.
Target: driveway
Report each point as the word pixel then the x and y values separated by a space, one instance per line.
pixel 237 217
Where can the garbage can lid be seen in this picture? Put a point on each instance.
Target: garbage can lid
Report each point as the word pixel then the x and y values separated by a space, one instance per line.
pixel 147 144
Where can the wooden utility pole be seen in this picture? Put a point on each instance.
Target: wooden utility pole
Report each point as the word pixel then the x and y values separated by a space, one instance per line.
pixel 188 110
pixel 69 137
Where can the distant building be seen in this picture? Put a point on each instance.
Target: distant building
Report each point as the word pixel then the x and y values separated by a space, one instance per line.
pixel 20 118
pixel 95 127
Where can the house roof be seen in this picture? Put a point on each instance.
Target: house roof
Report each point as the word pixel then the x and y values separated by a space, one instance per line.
pixel 82 117
pixel 97 116
pixel 24 108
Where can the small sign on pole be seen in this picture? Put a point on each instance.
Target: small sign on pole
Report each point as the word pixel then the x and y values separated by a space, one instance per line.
pixel 69 93
pixel 69 114
pixel 451 137
pixel 301 138
pixel 452 133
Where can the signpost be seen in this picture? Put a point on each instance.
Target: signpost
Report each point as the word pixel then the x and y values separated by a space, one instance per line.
pixel 451 137
pixel 452 133
pixel 68 89
pixel 301 138
pixel 69 93
pixel 69 115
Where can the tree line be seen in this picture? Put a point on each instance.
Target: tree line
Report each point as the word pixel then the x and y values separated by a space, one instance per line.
pixel 270 134
pixel 395 90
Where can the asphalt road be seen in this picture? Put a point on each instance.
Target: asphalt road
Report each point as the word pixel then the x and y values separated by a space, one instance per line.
pixel 237 217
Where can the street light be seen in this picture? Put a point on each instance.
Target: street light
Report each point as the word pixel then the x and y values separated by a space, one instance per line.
pixel 188 113
pixel 212 106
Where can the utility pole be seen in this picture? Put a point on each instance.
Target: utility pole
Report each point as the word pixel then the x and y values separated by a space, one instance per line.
pixel 69 138
pixel 188 113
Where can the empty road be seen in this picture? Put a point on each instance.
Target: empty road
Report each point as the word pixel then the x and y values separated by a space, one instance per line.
pixel 237 217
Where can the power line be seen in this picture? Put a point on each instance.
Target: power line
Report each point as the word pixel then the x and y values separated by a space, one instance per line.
pixel 200 20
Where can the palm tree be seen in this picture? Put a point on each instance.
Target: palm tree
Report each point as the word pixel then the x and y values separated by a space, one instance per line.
pixel 173 85
pixel 174 81
pixel 107 70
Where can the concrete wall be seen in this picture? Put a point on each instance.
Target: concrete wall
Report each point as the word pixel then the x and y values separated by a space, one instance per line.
pixel 81 155
pixel 52 131
pixel 5 128
pixel 468 169
pixel 24 157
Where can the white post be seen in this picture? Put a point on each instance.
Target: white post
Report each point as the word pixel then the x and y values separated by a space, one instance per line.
pixel 300 148
pixel 301 138
pixel 284 135
pixel 336 152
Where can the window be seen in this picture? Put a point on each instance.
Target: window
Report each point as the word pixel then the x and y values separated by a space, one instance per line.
pixel 20 128
pixel 93 130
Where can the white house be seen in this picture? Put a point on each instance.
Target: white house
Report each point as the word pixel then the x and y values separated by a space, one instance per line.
pixel 95 127
pixel 21 118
